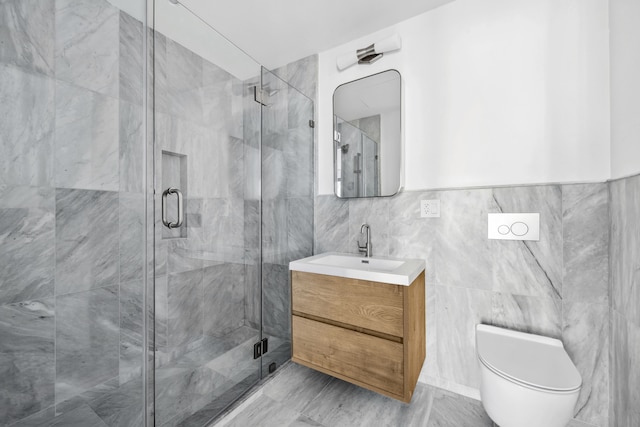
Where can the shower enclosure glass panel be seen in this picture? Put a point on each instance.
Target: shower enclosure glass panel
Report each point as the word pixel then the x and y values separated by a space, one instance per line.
pixel 72 212
pixel 358 172
pixel 207 275
pixel 287 207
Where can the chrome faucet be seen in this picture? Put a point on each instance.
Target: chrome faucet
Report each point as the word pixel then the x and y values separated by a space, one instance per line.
pixel 366 249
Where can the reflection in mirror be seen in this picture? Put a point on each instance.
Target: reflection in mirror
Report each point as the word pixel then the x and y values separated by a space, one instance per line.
pixel 367 139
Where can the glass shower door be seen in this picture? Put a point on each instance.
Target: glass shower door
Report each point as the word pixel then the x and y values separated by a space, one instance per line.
pixel 287 205
pixel 207 226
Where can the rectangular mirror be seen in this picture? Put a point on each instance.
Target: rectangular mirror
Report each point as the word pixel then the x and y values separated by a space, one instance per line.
pixel 366 136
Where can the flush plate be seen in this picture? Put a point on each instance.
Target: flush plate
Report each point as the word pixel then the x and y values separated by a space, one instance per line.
pixel 514 226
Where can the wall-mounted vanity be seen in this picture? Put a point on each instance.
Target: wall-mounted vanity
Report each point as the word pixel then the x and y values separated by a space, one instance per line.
pixel 360 319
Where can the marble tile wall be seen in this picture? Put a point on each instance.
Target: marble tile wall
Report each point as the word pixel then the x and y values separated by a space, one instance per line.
pixel 71 213
pixel 625 302
pixel 556 286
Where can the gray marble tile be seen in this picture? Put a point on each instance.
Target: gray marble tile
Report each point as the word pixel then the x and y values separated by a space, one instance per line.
pixel 585 336
pixel 42 418
pixel 224 224
pixel 299 160
pixel 274 174
pixel 27 243
pixel 223 303
pixel 300 111
pixel 457 411
pixel 266 412
pixel 131 330
pixel 303 75
pixel 27 36
pixel 299 228
pixel 87 44
pixel 237 364
pixel 625 249
pixel 276 300
pixel 132 234
pixel 430 366
pixel 251 114
pixel 131 59
pixel 276 115
pixel 87 340
pixel 184 81
pixel 27 359
pixel 96 392
pixel 184 255
pixel 27 127
pixel 252 290
pixel 86 149
pixel 161 309
pixel 344 404
pixel 411 236
pixel 532 268
pixel 620 399
pixel 458 310
pixel 79 417
pixel 294 386
pixel 217 98
pixel 461 236
pixel 86 240
pixel 123 407
pixel 274 231
pixel 185 302
pixel 280 352
pixel 536 315
pixel 210 348
pixel 585 229
pixel 375 212
pixel 634 373
pixel 303 421
pixel 132 148
pixel 331 224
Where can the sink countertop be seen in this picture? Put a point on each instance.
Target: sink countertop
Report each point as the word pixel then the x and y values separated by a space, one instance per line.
pixel 396 271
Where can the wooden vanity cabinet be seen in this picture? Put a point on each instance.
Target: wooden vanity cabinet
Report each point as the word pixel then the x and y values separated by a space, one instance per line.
pixel 368 333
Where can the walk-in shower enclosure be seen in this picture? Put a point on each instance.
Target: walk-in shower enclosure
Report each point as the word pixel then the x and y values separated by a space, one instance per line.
pixel 107 315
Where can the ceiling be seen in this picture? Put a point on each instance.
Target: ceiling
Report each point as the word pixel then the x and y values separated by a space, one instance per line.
pixel 277 32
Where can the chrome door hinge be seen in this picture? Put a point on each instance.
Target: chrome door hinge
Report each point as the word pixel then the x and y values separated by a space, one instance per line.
pixel 259 96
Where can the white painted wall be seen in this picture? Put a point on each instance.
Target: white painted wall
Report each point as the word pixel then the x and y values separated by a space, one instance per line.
pixel 624 21
pixel 495 92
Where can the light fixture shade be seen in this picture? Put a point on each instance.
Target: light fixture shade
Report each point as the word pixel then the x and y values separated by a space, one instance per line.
pixel 346 60
pixel 389 44
pixel 369 54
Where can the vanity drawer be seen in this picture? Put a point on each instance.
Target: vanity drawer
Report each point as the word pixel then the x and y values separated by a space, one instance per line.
pixel 372 306
pixel 364 358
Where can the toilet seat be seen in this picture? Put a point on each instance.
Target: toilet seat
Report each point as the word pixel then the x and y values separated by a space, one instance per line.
pixel 530 360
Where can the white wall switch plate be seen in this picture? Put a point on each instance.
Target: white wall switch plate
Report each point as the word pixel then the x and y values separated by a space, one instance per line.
pixel 514 226
pixel 430 208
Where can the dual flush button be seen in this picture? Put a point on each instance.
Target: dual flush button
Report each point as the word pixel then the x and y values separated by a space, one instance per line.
pixel 514 226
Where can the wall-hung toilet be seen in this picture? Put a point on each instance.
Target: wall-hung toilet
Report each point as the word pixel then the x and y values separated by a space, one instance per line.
pixel 526 380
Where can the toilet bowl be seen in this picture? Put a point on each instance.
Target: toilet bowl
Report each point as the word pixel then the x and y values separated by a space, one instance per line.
pixel 526 380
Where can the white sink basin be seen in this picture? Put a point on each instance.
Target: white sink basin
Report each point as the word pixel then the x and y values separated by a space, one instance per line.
pixel 375 269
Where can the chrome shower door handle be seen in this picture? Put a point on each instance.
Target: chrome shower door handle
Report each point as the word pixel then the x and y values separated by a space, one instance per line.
pixel 165 195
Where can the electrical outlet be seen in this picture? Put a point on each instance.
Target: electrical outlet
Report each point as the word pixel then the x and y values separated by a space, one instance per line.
pixel 430 208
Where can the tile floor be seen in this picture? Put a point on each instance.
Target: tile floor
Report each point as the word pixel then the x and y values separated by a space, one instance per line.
pixel 298 396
